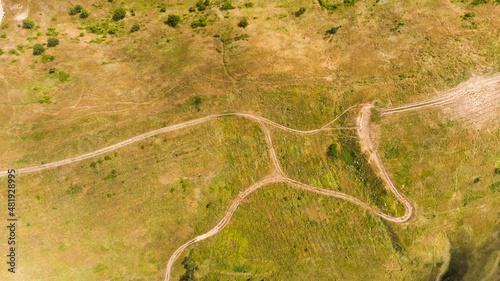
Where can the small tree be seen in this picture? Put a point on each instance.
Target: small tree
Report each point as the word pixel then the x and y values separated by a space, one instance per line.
pixel 119 14
pixel 38 49
pixel 333 150
pixel 63 76
pixel 28 24
pixel 52 42
pixel 173 20
pixel 75 10
pixel 243 23
pixel 135 27
pixel 84 14
pixel 227 6
pixel 300 11
pixel 333 30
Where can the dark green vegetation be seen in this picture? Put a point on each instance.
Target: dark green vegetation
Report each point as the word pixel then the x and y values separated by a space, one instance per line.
pixel 190 267
pixel 38 49
pixel 243 23
pixel 75 10
pixel 28 24
pixel 300 12
pixel 52 42
pixel 119 14
pixel 173 20
pixel 135 27
pixel 227 5
pixel 333 30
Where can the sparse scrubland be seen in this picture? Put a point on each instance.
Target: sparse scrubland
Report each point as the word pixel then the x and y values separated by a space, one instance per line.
pixel 77 77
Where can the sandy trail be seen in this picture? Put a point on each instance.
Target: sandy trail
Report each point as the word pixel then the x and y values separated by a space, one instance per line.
pixel 477 101
pixel 464 95
pixel 277 175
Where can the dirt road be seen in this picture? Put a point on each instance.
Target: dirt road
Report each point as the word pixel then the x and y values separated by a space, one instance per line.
pixel 462 94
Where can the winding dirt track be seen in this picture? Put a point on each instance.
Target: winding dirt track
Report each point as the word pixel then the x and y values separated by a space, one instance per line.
pixel 277 174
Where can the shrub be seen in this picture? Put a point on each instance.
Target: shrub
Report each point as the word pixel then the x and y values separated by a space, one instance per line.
pixel 301 11
pixel 202 5
pixel 467 16
pixel 84 14
pixel 163 9
pixel 119 14
pixel 52 70
pixel 75 10
pixel 1 52
pixel 333 30
pixel 47 58
pixel 478 2
pixel 135 27
pixel 63 76
pixel 248 5
pixel 192 9
pixel 52 42
pixel 5 25
pixel 173 20
pixel 333 150
pixel 38 49
pixel 201 22
pixel 132 12
pixel 227 6
pixel 28 24
pixel 350 3
pixel 243 23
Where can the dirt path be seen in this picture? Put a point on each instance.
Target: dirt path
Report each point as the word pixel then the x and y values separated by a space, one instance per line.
pixel 277 175
pixel 477 101
pixel 465 94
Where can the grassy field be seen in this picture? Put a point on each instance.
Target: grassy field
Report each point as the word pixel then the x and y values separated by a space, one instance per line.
pixel 122 217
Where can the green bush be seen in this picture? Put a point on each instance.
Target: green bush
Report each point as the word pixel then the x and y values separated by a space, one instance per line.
pixel 333 30
pixel 1 52
pixel 478 2
pixel 301 11
pixel 163 9
pixel 38 49
pixel 84 14
pixel 119 14
pixel 47 58
pixel 467 16
pixel 227 6
pixel 28 24
pixel 173 20
pixel 52 42
pixel 202 5
pixel 192 9
pixel 333 150
pixel 350 3
pixel 75 10
pixel 243 23
pixel 248 5
pixel 201 22
pixel 63 76
pixel 52 70
pixel 135 27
